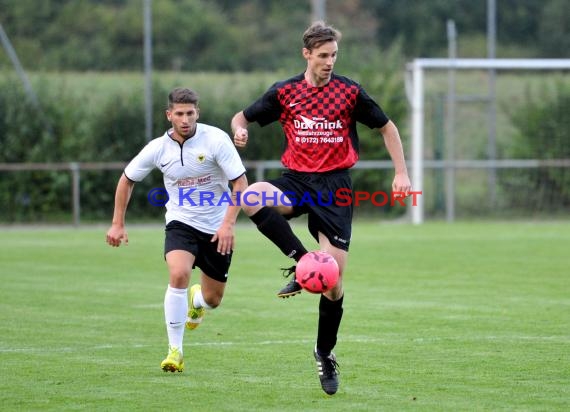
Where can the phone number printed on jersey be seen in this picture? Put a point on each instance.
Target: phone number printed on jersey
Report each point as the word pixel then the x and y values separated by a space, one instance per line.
pixel 318 140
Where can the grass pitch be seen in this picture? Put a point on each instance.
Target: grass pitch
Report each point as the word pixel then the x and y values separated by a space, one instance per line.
pixel 450 317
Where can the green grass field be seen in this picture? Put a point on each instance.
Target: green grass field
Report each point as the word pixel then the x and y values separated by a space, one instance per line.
pixel 438 317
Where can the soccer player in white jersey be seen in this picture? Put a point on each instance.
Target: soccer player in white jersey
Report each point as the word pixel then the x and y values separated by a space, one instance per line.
pixel 197 161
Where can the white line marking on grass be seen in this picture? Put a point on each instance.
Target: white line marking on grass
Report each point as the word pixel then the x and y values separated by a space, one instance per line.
pixel 509 339
pixel 221 343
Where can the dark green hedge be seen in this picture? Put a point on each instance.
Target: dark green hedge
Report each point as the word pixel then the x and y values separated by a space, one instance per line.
pixel 89 123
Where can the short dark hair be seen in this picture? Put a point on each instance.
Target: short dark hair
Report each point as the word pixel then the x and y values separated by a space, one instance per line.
pixel 319 33
pixel 182 95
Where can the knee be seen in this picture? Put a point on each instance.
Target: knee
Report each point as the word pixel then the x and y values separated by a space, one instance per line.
pixel 179 278
pixel 251 203
pixel 256 196
pixel 336 292
pixel 214 303
pixel 213 300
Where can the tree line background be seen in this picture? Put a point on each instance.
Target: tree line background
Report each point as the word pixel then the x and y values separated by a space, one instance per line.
pixel 85 60
pixel 250 35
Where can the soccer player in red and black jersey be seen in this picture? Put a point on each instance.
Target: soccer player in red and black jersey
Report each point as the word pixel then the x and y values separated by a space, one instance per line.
pixel 318 111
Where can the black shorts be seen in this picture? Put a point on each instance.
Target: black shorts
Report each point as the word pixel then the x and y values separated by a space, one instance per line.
pixel 314 194
pixel 180 236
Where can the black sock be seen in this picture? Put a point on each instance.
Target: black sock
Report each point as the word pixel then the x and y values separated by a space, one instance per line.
pixel 330 315
pixel 276 228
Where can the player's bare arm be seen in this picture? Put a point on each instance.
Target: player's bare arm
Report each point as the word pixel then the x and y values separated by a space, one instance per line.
pixel 401 182
pixel 117 232
pixel 225 233
pixel 239 127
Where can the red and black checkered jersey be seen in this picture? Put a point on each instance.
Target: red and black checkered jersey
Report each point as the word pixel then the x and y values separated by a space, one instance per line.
pixel 319 122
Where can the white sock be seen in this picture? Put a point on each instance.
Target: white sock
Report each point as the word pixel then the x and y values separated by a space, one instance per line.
pixel 175 312
pixel 199 301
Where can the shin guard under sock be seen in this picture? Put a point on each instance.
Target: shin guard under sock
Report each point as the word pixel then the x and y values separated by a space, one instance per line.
pixel 330 315
pixel 276 228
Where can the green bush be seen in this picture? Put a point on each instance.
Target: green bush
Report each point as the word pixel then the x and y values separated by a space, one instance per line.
pixel 542 125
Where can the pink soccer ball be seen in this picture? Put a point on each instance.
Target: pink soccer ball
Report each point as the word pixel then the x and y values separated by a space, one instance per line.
pixel 317 272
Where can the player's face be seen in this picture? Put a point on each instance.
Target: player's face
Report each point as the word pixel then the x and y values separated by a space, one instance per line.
pixel 320 62
pixel 183 117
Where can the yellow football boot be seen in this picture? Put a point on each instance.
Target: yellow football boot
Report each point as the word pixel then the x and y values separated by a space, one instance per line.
pixel 174 362
pixel 195 315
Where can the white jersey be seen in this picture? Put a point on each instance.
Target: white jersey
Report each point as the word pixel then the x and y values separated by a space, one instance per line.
pixel 196 175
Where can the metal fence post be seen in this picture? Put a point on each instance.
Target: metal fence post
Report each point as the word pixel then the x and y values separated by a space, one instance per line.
pixel 75 192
